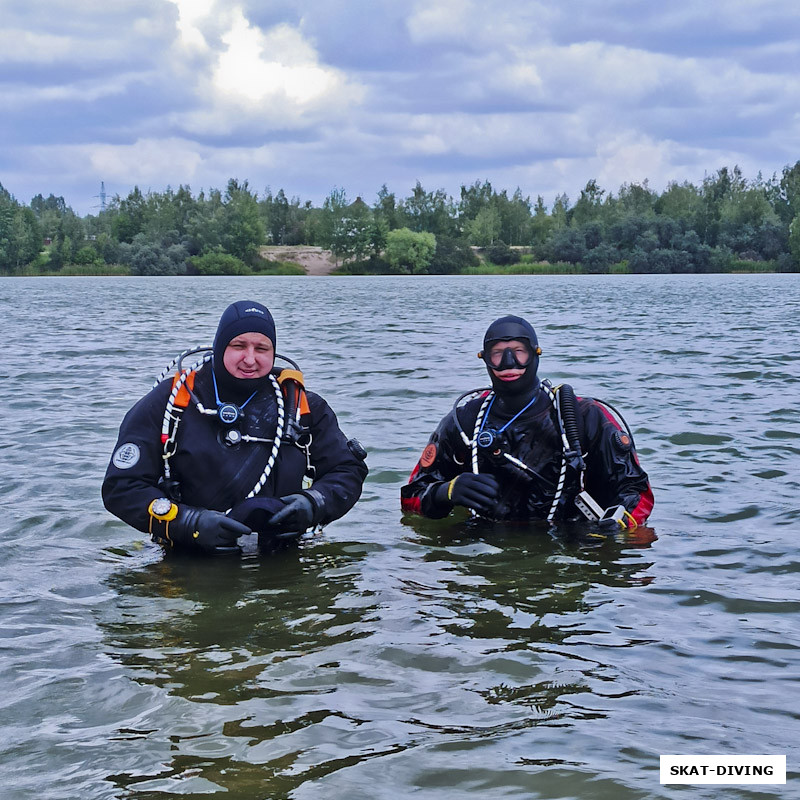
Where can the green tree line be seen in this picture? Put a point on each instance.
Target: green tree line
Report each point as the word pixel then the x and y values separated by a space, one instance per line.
pixel 722 224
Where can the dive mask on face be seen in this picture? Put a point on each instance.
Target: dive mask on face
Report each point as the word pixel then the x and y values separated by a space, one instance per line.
pixel 505 335
pixel 515 357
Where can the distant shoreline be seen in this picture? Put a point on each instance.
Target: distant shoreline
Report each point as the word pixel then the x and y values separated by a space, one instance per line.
pixel 125 273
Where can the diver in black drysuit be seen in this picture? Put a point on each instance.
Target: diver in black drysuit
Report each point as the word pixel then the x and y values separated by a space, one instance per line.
pixel 210 477
pixel 522 421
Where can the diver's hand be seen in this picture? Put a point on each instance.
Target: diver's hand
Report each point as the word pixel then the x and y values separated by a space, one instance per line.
pixel 474 491
pixel 206 529
pixel 300 512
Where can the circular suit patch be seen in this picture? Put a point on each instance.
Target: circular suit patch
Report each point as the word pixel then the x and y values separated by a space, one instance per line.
pixel 126 456
pixel 428 455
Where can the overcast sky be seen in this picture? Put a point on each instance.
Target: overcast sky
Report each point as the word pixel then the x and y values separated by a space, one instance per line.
pixel 307 96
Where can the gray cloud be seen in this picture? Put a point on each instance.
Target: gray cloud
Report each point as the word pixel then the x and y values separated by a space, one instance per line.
pixel 356 94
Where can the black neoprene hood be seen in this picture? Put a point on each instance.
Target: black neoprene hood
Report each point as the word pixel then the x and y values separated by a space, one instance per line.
pixel 510 327
pixel 243 316
pixel 506 329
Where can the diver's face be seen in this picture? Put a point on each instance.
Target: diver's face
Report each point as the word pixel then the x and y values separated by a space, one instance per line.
pixel 249 355
pixel 509 360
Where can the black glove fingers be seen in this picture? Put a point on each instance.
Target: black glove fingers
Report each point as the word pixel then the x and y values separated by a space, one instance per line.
pixel 234 526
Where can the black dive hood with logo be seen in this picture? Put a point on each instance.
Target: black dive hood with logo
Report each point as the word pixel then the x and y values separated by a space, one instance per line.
pixel 507 329
pixel 244 316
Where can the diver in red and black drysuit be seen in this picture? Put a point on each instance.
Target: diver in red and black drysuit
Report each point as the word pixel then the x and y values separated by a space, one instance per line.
pixel 524 450
pixel 236 446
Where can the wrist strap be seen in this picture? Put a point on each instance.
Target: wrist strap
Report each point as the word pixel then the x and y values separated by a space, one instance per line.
pixel 168 517
pixel 450 488
pixel 165 518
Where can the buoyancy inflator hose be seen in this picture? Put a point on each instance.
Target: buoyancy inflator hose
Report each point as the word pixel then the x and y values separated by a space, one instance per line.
pixel 568 407
pixel 291 381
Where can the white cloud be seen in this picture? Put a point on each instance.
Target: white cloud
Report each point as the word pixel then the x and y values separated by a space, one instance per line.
pixel 82 92
pixel 439 20
pixel 32 47
pixel 630 157
pixel 312 95
pixel 146 162
pixel 487 136
pixel 190 14
pixel 473 25
pixel 256 79
pixel 257 66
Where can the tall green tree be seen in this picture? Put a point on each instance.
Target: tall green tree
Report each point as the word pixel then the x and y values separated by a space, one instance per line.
pixel 49 211
pixel 485 228
pixel 474 198
pixel 128 215
pixel 386 209
pixel 8 207
pixel 636 198
pixel 541 224
pixel 682 202
pixel 331 231
pixel 361 237
pixel 515 217
pixel 560 212
pixel 433 212
pixel 276 213
pixel 794 240
pixel 242 229
pixel 786 194
pixel 589 204
pixel 20 233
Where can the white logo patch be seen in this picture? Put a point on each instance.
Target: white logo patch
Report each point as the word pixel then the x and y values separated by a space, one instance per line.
pixel 127 455
pixel 254 309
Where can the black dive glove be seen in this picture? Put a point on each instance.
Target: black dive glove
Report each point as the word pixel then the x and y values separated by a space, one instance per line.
pixel 302 511
pixel 208 530
pixel 473 491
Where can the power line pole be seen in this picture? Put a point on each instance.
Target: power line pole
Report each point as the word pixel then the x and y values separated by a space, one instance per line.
pixel 102 196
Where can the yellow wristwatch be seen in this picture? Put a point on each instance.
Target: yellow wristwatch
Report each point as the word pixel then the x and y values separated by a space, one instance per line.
pixel 163 510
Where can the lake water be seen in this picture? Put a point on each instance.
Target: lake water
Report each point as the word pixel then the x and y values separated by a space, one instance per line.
pixel 392 658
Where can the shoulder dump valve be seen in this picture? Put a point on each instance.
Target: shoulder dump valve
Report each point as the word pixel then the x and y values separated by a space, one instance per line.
pixel 357 449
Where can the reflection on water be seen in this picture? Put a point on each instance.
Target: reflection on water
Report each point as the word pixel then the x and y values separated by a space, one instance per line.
pixel 254 641
pixel 389 657
pixel 305 665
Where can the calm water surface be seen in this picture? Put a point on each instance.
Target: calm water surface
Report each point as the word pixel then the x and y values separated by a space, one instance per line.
pixel 392 658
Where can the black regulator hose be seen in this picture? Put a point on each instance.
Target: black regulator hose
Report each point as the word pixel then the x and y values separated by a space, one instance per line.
pixel 569 417
pixel 454 412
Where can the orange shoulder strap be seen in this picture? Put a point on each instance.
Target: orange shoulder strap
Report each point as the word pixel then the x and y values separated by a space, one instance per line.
pixel 296 376
pixel 182 399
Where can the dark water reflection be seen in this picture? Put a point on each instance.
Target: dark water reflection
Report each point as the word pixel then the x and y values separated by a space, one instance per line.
pixel 308 670
pixel 390 657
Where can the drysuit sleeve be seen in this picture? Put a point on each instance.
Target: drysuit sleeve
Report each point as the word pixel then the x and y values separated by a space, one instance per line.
pixel 444 457
pixel 131 481
pixel 339 473
pixel 613 473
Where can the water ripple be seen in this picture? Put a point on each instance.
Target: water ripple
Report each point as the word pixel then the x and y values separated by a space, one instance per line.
pixel 389 657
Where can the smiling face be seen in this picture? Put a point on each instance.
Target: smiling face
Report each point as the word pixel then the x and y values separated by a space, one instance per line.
pixel 249 355
pixel 508 360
